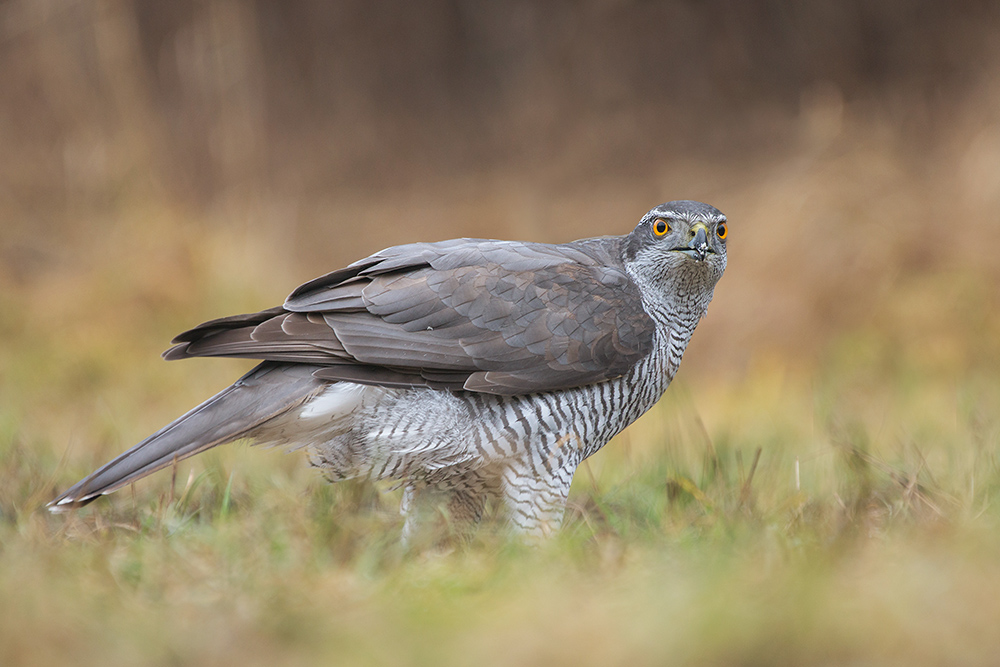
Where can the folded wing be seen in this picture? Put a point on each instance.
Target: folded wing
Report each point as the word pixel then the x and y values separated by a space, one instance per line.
pixel 488 316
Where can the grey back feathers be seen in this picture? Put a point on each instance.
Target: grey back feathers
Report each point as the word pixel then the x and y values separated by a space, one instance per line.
pixel 490 316
pixel 471 368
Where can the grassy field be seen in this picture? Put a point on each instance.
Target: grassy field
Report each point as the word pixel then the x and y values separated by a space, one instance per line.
pixel 840 512
pixel 819 486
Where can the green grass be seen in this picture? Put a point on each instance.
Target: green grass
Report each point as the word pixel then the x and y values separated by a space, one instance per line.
pixel 883 552
pixel 842 514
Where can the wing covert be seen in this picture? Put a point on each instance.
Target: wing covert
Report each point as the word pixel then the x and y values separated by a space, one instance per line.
pixel 489 316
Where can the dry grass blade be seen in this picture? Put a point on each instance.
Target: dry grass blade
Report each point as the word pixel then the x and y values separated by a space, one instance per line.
pixel 745 487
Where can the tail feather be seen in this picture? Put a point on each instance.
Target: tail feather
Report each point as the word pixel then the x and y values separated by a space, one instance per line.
pixel 267 391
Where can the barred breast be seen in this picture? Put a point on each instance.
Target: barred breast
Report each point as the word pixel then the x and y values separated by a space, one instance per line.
pixel 471 446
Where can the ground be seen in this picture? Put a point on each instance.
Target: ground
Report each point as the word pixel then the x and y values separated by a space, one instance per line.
pixel 841 511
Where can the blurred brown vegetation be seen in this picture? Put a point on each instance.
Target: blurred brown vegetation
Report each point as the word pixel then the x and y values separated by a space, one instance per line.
pixel 855 146
pixel 169 162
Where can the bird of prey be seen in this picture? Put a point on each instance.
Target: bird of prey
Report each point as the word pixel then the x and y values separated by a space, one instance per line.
pixel 465 370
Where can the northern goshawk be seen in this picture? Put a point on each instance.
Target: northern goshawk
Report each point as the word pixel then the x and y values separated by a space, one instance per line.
pixel 464 369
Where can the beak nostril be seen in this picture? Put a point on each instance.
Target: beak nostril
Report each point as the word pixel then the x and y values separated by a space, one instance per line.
pixel 698 242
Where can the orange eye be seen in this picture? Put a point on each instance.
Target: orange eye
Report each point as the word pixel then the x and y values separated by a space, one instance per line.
pixel 722 231
pixel 660 226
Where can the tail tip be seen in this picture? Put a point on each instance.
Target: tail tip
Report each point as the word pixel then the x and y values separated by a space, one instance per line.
pixel 66 503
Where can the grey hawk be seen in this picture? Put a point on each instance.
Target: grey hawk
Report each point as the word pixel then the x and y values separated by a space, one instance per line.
pixel 465 369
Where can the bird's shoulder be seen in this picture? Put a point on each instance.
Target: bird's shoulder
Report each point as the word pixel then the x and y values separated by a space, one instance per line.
pixel 595 260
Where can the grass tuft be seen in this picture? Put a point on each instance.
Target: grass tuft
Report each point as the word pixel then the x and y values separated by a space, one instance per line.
pixel 846 515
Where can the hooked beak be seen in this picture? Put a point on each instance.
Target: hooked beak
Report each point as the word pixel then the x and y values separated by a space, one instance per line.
pixel 697 248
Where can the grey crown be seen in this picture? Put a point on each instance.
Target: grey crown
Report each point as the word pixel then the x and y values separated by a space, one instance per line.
pixel 467 369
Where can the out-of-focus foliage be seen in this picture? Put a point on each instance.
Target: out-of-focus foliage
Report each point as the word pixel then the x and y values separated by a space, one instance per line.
pixel 855 145
pixel 169 162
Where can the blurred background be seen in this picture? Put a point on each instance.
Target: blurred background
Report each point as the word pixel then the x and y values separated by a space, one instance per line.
pixel 165 163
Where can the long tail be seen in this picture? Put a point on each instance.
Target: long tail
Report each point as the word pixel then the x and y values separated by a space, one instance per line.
pixel 267 391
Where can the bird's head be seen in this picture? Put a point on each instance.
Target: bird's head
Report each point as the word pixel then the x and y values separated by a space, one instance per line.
pixel 678 245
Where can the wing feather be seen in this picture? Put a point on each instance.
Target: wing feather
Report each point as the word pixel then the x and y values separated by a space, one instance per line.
pixel 488 316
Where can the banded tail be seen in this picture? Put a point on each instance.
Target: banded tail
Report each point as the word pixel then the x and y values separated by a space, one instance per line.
pixel 267 391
